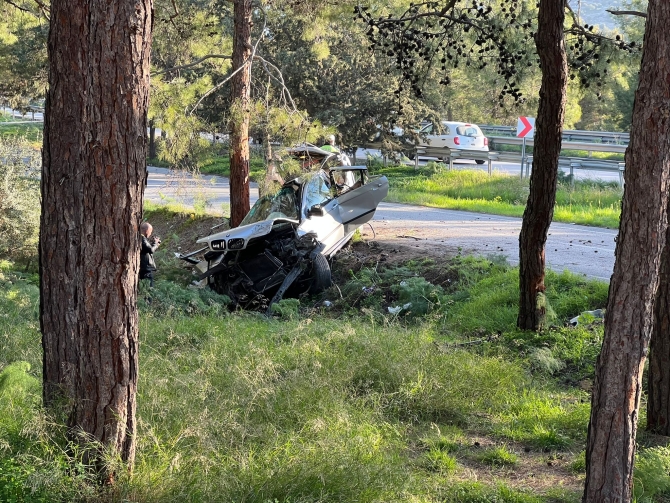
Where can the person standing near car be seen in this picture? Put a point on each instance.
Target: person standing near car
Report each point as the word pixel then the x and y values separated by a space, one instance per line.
pixel 149 246
pixel 330 146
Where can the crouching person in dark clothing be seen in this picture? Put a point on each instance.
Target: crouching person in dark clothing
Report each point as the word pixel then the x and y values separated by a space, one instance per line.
pixel 149 246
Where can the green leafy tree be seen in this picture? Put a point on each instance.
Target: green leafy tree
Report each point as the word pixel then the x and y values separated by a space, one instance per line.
pixel 19 200
pixel 23 55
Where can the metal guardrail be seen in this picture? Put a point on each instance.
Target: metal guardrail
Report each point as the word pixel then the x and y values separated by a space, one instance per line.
pixel 565 145
pixel 571 163
pixel 568 134
pixel 19 122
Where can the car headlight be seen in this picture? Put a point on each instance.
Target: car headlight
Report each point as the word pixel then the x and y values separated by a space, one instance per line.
pixel 218 244
pixel 235 244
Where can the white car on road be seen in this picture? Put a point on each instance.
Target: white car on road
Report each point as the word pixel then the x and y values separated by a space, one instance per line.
pixel 453 135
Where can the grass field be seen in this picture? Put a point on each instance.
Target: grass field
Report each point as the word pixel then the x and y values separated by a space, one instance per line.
pixel 584 202
pixel 443 402
pixel 30 132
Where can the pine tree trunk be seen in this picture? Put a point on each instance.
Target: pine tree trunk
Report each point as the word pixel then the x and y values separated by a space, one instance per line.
pixel 658 400
pixel 239 125
pixel 610 449
pixel 548 130
pixel 93 176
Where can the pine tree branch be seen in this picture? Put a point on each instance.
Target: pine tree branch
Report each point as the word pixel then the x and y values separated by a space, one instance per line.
pixel 18 6
pixel 269 68
pixel 44 9
pixel 626 13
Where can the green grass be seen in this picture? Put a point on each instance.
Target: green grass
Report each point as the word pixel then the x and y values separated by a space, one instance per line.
pixel 219 164
pixel 584 202
pixel 31 132
pixel 349 404
pixel 499 456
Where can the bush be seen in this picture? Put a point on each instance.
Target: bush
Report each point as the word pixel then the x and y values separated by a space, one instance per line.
pixel 171 299
pixel 286 308
pixel 19 199
pixel 651 477
pixel 419 295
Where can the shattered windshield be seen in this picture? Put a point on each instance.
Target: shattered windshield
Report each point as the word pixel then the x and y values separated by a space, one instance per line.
pixel 283 204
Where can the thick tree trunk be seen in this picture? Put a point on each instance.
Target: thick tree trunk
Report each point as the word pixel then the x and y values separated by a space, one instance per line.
pixel 548 129
pixel 94 170
pixel 239 125
pixel 658 401
pixel 610 449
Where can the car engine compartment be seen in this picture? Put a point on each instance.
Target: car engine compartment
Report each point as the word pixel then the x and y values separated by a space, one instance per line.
pixel 253 277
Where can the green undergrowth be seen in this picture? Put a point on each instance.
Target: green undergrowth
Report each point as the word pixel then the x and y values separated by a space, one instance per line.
pixel 348 403
pixel 32 133
pixel 219 164
pixel 589 202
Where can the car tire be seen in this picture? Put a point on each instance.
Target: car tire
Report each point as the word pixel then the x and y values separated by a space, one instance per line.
pixel 480 161
pixel 321 277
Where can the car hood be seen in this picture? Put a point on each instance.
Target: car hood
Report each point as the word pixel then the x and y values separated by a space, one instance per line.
pixel 246 232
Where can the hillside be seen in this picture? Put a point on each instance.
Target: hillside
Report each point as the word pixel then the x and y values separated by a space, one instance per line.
pixel 594 11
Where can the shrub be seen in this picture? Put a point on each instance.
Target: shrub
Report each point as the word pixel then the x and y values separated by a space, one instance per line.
pixel 171 299
pixel 419 295
pixel 651 477
pixel 286 308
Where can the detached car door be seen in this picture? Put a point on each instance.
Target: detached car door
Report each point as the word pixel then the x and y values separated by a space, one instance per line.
pixel 319 211
pixel 359 196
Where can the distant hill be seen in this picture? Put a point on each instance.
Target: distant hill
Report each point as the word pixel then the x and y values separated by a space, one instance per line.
pixel 594 12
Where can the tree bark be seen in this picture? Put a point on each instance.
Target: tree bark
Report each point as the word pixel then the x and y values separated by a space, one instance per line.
pixel 239 124
pixel 658 400
pixel 610 450
pixel 548 130
pixel 93 176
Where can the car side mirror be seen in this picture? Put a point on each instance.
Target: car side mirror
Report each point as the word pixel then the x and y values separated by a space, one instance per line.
pixel 315 210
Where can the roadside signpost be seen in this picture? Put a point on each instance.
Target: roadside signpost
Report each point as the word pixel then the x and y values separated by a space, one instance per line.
pixel 525 128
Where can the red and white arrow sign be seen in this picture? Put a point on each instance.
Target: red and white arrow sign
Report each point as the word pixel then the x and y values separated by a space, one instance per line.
pixel 525 127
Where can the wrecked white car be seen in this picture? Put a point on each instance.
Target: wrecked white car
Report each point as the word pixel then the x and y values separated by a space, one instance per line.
pixel 283 246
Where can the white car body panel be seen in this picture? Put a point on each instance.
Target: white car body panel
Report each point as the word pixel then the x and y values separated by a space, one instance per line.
pixel 246 232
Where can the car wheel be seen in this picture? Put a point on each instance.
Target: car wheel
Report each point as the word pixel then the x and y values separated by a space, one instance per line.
pixel 321 278
pixel 480 161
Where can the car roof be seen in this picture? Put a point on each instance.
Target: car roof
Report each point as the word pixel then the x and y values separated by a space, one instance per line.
pixel 452 123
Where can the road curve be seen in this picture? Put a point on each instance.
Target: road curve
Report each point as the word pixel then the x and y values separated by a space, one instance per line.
pixel 588 251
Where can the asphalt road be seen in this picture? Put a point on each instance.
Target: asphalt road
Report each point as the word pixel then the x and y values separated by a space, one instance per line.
pixel 588 251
